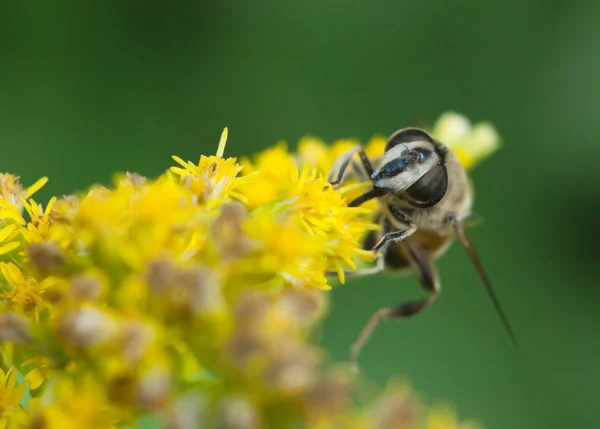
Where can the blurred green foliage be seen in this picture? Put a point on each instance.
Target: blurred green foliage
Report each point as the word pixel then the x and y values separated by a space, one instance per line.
pixel 87 89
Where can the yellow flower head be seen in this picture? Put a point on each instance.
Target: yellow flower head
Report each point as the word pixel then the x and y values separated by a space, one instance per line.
pixel 10 396
pixel 272 178
pixel 24 294
pixel 214 179
pixel 325 214
pixel 38 374
pixel 38 227
pixel 472 144
pixel 12 192
pixel 445 417
pixel 12 224
pixel 195 294
pixel 77 404
pixel 9 238
pixel 314 152
pixel 284 254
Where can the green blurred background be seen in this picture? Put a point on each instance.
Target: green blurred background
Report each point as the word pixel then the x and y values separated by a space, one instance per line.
pixel 87 89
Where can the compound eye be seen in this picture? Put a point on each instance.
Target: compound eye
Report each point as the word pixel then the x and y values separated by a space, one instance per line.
pixel 407 135
pixel 429 189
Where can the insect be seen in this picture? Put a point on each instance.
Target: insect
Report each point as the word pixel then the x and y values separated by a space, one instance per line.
pixel 424 195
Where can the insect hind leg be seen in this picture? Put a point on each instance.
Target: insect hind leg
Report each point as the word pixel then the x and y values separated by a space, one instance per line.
pixel 377 268
pixel 429 280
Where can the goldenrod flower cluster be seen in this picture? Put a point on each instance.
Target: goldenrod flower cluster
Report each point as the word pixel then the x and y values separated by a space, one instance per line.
pixel 190 299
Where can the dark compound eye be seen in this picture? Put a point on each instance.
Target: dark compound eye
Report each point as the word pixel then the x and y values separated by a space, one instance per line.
pixel 407 135
pixel 429 189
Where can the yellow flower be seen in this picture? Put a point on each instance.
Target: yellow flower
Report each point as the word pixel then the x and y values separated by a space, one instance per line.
pixel 7 238
pixel 272 180
pixel 12 195
pixel 214 180
pixel 195 293
pixel 25 295
pixel 38 374
pixel 275 163
pixel 132 224
pixel 12 192
pixel 75 404
pixel 472 144
pixel 39 225
pixel 339 147
pixel 444 417
pixel 65 209
pixel 285 254
pixel 10 397
pixel 10 212
pixel 375 147
pixel 325 214
pixel 314 152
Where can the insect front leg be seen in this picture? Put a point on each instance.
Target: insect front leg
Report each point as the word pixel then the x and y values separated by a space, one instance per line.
pixel 392 237
pixel 386 240
pixel 341 164
pixel 429 280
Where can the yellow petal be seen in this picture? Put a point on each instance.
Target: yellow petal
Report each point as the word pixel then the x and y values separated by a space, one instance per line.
pixel 349 262
pixel 303 176
pixel 18 393
pixel 29 361
pixel 28 208
pixel 306 226
pixel 222 143
pixel 340 272
pixel 294 173
pixel 35 378
pixel 36 187
pixel 11 212
pixel 9 247
pixel 7 231
pixel 178 171
pixel 11 272
pixel 465 158
pixel 12 379
pixel 180 161
pixel 50 205
pixel 238 196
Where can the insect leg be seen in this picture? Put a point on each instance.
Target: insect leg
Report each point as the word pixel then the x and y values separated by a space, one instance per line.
pixel 362 174
pixel 430 283
pixel 341 165
pixel 379 266
pixel 392 237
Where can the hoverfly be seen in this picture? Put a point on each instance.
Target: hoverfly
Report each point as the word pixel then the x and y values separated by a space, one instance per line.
pixel 424 195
